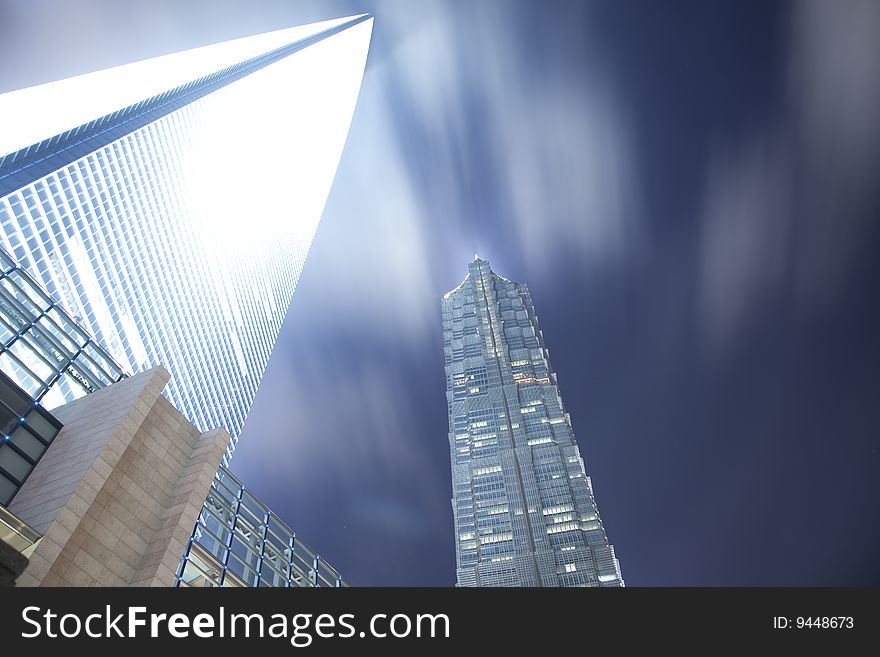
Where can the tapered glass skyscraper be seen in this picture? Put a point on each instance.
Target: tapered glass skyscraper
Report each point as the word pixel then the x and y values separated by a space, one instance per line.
pixel 170 204
pixel 523 504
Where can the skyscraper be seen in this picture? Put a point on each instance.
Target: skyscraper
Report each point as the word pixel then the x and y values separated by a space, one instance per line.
pixel 523 504
pixel 170 204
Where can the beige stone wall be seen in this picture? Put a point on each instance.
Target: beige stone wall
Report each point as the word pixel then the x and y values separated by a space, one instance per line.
pixel 118 492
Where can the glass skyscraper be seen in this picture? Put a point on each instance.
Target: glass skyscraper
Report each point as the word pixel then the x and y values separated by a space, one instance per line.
pixel 523 504
pixel 169 204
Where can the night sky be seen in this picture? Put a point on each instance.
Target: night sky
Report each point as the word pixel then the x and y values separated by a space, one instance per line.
pixel 689 189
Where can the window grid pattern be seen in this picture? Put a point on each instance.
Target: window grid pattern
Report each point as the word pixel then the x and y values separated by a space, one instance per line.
pixel 26 431
pixel 238 541
pixel 523 506
pixel 42 348
pixel 108 217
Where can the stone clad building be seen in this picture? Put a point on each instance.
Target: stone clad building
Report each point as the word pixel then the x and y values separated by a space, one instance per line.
pixel 117 494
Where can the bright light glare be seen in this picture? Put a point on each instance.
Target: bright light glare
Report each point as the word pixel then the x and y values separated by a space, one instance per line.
pixel 36 113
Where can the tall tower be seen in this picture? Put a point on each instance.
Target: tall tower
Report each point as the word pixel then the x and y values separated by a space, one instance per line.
pixel 523 504
pixel 169 204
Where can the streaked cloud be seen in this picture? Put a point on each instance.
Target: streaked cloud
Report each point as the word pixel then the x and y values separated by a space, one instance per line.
pixel 747 234
pixel 787 208
pixel 456 130
pixel 560 143
pixel 835 96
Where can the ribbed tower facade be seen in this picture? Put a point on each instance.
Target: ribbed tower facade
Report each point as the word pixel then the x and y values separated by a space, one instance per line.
pixel 169 205
pixel 524 509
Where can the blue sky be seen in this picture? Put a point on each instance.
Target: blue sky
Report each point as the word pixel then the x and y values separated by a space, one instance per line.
pixel 690 192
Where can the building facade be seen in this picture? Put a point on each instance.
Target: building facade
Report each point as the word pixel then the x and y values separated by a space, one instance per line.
pixel 523 505
pixel 169 205
pixel 113 500
pixel 120 483
pixel 112 488
pixel 238 541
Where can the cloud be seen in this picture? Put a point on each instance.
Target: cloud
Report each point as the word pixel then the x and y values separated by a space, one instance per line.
pixel 459 139
pixel 560 144
pixel 788 209
pixel 325 394
pixel 566 164
pixel 374 222
pixel 835 94
pixel 545 146
pixel 392 516
pixel 746 235
pixel 380 219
